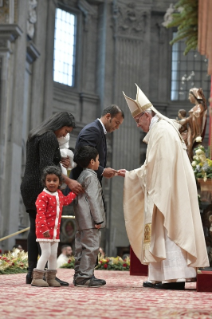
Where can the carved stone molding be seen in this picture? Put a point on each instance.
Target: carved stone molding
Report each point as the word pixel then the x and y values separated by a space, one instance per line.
pixel 96 2
pixel 129 19
pixel 4 12
pixel 8 33
pixel 88 12
pixel 68 3
pixel 89 97
pixel 161 32
pixel 8 11
pixel 32 17
pixel 32 52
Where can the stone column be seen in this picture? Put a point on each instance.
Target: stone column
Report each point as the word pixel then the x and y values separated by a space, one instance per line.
pixel 16 58
pixel 131 33
pixel 14 69
pixel 49 55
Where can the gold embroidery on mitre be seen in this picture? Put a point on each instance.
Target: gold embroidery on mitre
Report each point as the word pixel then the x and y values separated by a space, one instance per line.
pixel 141 109
pixel 147 233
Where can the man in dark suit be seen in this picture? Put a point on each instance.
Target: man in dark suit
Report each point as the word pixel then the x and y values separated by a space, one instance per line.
pixel 94 134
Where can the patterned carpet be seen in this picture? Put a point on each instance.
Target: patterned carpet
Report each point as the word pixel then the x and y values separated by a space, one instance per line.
pixel 123 297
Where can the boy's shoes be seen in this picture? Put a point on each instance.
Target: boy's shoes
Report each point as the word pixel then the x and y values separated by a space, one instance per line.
pixel 92 282
pixel 93 277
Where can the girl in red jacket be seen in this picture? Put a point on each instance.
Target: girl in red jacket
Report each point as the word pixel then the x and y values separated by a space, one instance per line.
pixel 49 205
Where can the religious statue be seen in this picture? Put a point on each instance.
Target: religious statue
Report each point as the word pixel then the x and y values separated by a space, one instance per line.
pixel 184 128
pixel 196 122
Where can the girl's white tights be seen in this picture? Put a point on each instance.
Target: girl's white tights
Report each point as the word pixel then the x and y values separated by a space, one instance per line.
pixel 48 253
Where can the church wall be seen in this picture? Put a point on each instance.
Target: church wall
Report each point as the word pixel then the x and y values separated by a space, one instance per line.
pixel 13 119
pixel 119 43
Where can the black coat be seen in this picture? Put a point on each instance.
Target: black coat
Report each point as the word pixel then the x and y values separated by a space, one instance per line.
pixel 93 135
pixel 42 151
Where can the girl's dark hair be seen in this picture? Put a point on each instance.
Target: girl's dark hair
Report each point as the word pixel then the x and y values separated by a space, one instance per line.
pixel 56 170
pixel 54 123
pixel 84 155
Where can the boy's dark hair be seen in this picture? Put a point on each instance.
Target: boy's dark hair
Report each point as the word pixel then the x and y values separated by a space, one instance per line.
pixel 84 155
pixel 51 170
pixel 113 110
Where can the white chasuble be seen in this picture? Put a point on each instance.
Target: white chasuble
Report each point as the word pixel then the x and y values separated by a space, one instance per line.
pixel 160 201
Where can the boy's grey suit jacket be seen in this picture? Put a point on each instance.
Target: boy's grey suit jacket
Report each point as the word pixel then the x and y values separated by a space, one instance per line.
pixel 88 206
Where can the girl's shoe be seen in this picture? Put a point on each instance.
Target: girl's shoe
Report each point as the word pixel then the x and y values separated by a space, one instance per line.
pixel 37 278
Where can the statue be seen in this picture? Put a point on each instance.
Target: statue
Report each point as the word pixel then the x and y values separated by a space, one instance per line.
pixel 184 128
pixel 196 122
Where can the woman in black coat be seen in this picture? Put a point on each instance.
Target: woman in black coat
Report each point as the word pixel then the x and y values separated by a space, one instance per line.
pixel 43 150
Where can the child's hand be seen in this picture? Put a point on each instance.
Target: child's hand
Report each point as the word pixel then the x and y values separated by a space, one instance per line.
pixel 109 172
pixel 46 234
pixel 98 226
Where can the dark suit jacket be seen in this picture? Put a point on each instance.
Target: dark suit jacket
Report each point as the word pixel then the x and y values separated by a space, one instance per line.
pixel 92 135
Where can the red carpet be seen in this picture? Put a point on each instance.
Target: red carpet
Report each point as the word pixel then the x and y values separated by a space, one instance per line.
pixel 123 297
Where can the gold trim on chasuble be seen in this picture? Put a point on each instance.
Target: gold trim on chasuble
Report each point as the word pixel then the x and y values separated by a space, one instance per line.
pixel 147 235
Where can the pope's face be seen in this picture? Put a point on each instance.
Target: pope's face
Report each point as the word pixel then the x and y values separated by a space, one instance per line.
pixel 143 121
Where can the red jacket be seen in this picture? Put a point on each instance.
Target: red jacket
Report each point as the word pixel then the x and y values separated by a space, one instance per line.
pixel 49 210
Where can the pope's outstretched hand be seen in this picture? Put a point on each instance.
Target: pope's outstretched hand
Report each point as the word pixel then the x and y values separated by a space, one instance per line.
pixel 122 172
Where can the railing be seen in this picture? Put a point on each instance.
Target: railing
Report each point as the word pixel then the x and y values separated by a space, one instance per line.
pixel 27 228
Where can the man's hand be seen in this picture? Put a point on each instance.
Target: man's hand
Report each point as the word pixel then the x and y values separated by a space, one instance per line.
pixel 65 161
pixel 46 234
pixel 122 172
pixel 98 226
pixel 109 172
pixel 75 186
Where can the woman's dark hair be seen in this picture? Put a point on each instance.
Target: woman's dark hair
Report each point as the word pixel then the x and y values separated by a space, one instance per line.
pixel 56 170
pixel 54 123
pixel 84 155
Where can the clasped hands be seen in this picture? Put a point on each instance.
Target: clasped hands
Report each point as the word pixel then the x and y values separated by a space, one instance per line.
pixel 110 172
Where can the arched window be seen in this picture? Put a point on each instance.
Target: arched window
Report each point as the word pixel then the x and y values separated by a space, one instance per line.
pixel 65 47
pixel 188 71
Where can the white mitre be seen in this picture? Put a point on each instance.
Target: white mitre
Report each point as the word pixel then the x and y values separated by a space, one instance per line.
pixel 142 103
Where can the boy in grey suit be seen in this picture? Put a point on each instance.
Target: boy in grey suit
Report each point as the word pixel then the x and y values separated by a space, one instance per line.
pixel 90 217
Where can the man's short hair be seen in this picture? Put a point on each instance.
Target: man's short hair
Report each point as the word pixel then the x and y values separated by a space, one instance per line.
pixel 84 155
pixel 64 247
pixel 113 110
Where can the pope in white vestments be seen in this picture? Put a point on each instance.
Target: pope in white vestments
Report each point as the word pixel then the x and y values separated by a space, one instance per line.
pixel 161 208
